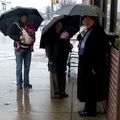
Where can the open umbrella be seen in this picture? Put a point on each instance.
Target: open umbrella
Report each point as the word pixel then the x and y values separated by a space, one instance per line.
pixel 71 24
pixel 7 18
pixel 80 9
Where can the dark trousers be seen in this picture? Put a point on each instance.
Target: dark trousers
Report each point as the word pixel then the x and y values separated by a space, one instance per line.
pixel 90 107
pixel 54 87
pixel 57 83
pixel 61 82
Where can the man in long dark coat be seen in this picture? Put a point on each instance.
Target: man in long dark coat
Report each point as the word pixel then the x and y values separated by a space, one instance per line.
pixel 92 83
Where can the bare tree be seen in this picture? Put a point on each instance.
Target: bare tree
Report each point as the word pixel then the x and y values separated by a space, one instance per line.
pixel 66 2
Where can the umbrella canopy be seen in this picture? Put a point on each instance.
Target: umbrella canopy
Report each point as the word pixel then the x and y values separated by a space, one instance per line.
pixel 7 18
pixel 80 9
pixel 71 24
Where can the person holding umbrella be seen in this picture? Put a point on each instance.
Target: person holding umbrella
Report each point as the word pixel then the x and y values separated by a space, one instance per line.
pixel 22 49
pixel 58 48
pixel 92 83
pixel 20 24
pixel 55 39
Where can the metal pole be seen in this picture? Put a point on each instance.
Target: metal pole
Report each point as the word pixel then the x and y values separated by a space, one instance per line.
pixel 113 15
pixel 104 20
pixel 52 5
pixel 97 2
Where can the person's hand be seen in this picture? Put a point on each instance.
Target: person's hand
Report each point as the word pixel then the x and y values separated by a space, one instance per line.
pixel 32 39
pixel 22 37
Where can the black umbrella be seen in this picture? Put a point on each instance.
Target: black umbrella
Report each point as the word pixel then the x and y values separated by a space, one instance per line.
pixel 71 24
pixel 7 18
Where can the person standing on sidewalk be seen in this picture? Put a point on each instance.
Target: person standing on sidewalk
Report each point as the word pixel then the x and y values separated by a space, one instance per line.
pixel 92 82
pixel 22 50
pixel 57 49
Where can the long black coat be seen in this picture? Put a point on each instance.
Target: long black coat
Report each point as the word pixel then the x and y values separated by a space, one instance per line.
pixel 58 51
pixel 92 83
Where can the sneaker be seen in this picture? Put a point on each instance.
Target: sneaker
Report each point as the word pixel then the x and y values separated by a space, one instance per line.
pixel 28 86
pixel 19 86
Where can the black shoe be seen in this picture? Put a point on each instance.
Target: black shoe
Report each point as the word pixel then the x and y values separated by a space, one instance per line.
pixel 63 95
pixel 19 86
pixel 56 96
pixel 28 86
pixel 86 114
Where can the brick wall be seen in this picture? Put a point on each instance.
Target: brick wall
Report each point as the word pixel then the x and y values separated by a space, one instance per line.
pixel 113 98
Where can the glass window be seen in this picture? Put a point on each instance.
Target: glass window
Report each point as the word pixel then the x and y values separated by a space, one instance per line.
pixel 108 15
pixel 118 18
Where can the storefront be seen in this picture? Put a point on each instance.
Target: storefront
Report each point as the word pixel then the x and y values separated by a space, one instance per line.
pixel 118 18
pixel 112 24
pixel 112 10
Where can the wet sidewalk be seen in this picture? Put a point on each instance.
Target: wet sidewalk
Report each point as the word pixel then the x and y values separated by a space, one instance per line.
pixel 35 103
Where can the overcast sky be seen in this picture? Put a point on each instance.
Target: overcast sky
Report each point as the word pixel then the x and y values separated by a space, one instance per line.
pixel 39 4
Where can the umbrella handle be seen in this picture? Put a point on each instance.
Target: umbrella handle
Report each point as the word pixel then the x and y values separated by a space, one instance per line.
pixel 18 25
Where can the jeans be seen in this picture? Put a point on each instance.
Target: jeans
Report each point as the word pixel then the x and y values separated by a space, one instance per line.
pixel 20 57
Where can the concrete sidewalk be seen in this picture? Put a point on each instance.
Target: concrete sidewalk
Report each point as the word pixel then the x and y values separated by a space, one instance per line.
pixel 36 104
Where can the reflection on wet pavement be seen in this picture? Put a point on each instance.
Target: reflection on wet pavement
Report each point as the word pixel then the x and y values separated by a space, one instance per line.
pixel 23 100
pixel 36 103
pixel 23 104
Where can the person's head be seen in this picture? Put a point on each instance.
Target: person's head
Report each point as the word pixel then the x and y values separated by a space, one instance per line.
pixel 23 17
pixel 88 21
pixel 58 26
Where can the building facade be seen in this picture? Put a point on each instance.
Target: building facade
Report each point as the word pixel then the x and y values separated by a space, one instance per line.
pixel 4 6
